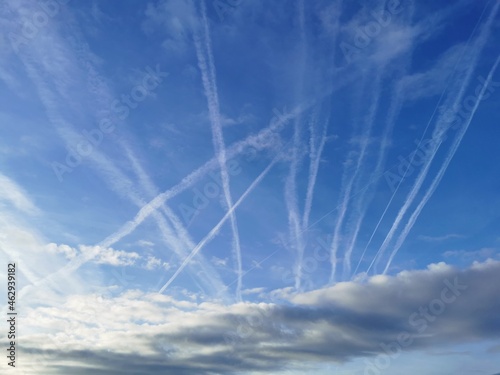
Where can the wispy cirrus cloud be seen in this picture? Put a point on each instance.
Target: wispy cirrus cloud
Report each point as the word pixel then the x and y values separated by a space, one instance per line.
pixel 15 195
pixel 445 237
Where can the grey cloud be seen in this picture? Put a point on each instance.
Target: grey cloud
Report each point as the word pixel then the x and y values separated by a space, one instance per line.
pixel 438 306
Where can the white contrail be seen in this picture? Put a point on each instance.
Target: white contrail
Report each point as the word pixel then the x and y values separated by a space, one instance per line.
pixel 362 202
pixel 210 85
pixel 257 141
pixel 121 184
pixel 116 180
pixel 290 194
pixel 437 136
pixel 370 120
pixel 217 227
pixel 348 183
pixel 334 246
pixel 181 241
pixel 314 161
pixel 292 204
pixel 146 182
pixel 442 170
pixel 393 111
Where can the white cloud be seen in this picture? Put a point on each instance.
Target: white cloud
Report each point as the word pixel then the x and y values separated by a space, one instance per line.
pixel 144 243
pixel 253 291
pixel 108 255
pixel 153 263
pixel 97 254
pixel 432 81
pixel 218 262
pixel 440 238
pixel 68 251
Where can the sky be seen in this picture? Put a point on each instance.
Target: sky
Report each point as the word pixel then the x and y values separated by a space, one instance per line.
pixel 250 187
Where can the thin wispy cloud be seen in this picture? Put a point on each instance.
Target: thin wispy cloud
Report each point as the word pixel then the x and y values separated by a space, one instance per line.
pixel 445 237
pixel 15 195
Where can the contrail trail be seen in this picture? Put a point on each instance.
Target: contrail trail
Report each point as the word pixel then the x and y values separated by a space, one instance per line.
pixel 442 170
pixel 181 241
pixel 356 175
pixel 348 183
pixel 393 111
pixel 292 204
pixel 74 265
pixel 148 209
pixel 314 160
pixel 217 227
pixel 291 195
pixel 195 176
pixel 438 135
pixel 257 141
pixel 113 177
pixel 210 86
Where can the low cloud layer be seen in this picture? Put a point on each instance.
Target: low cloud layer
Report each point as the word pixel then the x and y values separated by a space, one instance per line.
pixel 138 332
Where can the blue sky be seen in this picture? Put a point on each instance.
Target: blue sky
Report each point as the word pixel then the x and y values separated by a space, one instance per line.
pixel 246 187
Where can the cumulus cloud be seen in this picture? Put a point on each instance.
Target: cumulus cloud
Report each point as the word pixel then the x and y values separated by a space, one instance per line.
pixel 68 251
pixel 138 332
pixel 153 263
pixel 98 254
